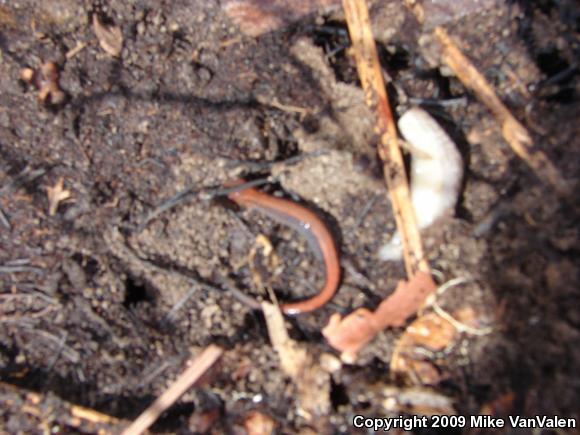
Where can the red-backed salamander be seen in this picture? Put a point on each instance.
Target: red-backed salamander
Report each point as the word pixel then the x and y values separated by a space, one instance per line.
pixel 306 223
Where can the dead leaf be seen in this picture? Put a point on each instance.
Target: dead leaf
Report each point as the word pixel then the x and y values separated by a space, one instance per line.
pixel 46 81
pixel 110 37
pixel 429 332
pixel 350 334
pixel 56 195
pixel 50 92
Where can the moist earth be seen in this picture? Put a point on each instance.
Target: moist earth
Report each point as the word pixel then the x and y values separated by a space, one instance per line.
pixel 109 291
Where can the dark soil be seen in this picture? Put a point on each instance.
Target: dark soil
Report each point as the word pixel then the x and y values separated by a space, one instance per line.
pixel 105 300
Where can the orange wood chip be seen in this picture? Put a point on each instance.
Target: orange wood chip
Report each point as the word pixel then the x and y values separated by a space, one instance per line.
pixel 350 334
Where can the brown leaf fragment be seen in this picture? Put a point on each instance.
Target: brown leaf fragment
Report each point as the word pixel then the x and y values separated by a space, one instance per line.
pixel 429 332
pixel 56 195
pixel 351 333
pixel 50 92
pixel 110 37
pixel 45 79
pixel 423 339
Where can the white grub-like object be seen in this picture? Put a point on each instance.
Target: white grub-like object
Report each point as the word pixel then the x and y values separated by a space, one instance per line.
pixel 436 172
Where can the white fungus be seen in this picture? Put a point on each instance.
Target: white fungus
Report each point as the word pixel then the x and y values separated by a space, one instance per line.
pixel 436 172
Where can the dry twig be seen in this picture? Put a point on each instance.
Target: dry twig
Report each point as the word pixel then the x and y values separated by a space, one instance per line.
pixel 75 50
pixel 187 379
pixel 512 130
pixel 311 381
pixel 371 77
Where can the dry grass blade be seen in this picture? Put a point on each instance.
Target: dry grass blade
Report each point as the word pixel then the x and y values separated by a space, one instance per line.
pixel 187 379
pixel 512 130
pixel 371 77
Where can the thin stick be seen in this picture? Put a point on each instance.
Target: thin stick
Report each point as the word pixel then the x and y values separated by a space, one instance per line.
pixel 187 379
pixel 371 77
pixel 512 130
